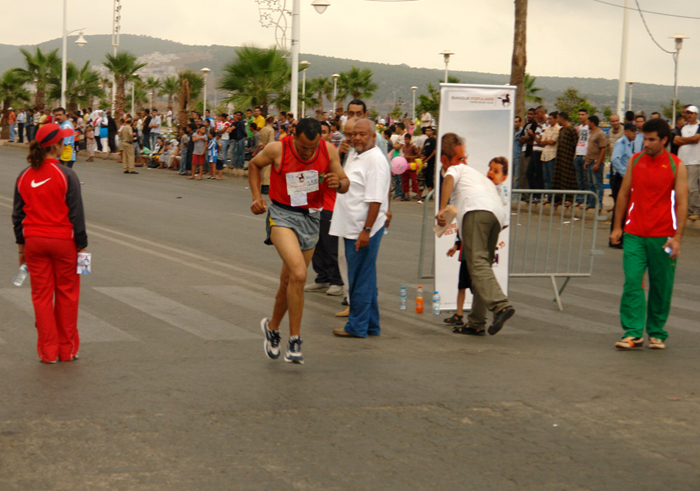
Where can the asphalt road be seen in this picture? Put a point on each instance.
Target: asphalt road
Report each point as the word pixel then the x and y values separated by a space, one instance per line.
pixel 173 392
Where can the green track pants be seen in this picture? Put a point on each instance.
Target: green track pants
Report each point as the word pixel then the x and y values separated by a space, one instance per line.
pixel 640 254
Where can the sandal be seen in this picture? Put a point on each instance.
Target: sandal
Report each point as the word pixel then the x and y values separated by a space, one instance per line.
pixel 455 319
pixel 467 329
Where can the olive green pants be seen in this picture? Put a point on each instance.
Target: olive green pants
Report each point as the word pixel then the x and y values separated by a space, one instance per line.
pixel 642 254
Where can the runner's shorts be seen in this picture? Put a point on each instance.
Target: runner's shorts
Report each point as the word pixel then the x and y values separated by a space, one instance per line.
pixel 305 225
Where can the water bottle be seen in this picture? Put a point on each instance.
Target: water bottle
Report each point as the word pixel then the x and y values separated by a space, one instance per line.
pixel 419 300
pixel 436 303
pixel 21 275
pixel 402 298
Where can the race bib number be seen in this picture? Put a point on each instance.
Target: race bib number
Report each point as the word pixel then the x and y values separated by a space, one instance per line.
pixel 302 183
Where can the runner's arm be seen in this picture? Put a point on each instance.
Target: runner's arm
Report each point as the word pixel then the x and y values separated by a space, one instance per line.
pixel 336 178
pixel 267 157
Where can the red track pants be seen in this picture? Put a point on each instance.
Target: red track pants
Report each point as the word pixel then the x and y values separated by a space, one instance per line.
pixel 410 177
pixel 52 267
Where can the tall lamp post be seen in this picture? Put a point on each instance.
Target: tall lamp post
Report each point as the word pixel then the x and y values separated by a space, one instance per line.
pixel 413 89
pixel 679 44
pixel 446 55
pixel 303 65
pixel 116 27
pixel 205 71
pixel 623 61
pixel 335 91
pixel 80 42
pixel 629 99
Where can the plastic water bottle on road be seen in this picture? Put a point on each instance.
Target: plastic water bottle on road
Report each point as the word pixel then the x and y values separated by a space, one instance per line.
pixel 402 298
pixel 21 275
pixel 436 303
pixel 419 300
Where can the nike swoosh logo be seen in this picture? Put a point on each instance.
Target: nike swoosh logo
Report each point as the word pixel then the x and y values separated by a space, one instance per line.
pixel 37 184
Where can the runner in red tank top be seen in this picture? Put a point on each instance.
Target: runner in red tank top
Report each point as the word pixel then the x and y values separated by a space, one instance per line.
pixel 654 193
pixel 300 164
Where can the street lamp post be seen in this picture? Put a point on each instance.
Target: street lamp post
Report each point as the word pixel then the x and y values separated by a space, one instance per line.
pixel 335 91
pixel 623 62
pixel 304 65
pixel 64 59
pixel 133 103
pixel 116 27
pixel 446 55
pixel 205 71
pixel 679 44
pixel 629 99
pixel 413 89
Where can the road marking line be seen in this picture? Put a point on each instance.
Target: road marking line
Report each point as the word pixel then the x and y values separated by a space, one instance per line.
pixel 92 329
pixel 195 322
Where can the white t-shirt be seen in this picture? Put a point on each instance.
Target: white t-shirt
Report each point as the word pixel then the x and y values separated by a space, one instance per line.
pixel 689 154
pixel 419 142
pixel 582 145
pixel 473 191
pixel 370 180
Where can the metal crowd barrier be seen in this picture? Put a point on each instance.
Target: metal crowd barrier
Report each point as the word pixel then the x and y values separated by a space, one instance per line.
pixel 546 240
pixel 552 240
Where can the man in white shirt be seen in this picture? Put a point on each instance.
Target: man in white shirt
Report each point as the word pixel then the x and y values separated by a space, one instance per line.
pixel 359 218
pixel 580 159
pixel 689 152
pixel 481 217
pixel 155 125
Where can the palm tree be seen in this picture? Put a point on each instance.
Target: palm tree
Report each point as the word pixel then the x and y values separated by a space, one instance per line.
pixel 191 85
pixel 170 88
pixel 12 91
pixel 530 89
pixel 39 67
pixel 256 77
pixel 82 84
pixel 519 60
pixel 356 83
pixel 123 66
pixel 151 85
pixel 322 87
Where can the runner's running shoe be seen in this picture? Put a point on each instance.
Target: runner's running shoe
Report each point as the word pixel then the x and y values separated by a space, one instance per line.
pixel 293 354
pixel 272 339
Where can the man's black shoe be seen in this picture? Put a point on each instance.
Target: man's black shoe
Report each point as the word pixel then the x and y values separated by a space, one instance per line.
pixel 500 318
pixel 133 172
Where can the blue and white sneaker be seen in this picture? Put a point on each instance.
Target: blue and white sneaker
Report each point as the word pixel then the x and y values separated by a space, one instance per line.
pixel 272 339
pixel 293 354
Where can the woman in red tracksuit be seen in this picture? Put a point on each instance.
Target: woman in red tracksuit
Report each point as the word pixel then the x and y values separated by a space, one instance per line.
pixel 50 231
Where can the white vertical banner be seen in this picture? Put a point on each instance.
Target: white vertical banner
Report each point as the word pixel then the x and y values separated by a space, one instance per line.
pixel 483 116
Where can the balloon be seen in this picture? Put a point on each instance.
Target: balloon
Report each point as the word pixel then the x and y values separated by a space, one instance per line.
pixel 398 165
pixel 417 165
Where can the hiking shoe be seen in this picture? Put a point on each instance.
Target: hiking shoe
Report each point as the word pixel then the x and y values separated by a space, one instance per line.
pixel 293 354
pixel 335 290
pixel 272 340
pixel 500 318
pixel 316 287
pixel 630 342
pixel 455 319
pixel 656 343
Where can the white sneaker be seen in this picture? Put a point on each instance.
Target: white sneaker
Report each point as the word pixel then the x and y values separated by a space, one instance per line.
pixel 335 290
pixel 316 287
pixel 656 343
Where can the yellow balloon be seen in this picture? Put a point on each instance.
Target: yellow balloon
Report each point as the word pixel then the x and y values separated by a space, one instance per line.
pixel 419 165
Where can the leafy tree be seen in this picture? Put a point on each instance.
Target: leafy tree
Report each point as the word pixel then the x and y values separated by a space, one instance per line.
pixel 191 85
pixel 82 84
pixel 284 100
pixel 530 90
pixel 607 112
pixel 39 67
pixel 667 111
pixel 321 87
pixel 170 88
pixel 429 102
pixel 453 80
pixel 571 102
pixel 12 91
pixel 123 66
pixel 356 83
pixel 256 78
pixel 373 113
pixel 152 84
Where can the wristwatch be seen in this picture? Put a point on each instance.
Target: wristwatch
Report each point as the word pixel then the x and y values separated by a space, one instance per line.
pixel 368 229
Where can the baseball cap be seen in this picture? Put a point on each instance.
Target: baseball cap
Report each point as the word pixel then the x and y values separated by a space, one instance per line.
pixel 51 133
pixel 630 126
pixel 692 109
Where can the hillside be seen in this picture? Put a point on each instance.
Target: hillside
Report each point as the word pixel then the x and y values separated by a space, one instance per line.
pixel 167 57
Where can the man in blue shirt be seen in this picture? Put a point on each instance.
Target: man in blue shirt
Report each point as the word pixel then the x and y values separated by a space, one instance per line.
pixel 622 152
pixel 64 122
pixel 639 120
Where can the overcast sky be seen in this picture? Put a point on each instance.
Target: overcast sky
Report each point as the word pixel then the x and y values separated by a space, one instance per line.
pixel 569 38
